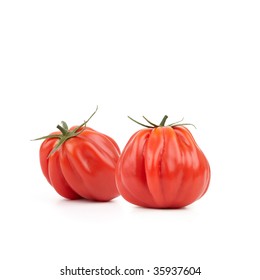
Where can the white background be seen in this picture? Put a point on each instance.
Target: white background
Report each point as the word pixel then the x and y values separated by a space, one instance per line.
pixel 194 59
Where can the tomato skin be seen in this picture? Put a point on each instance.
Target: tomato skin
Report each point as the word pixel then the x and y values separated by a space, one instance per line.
pixel 162 167
pixel 83 166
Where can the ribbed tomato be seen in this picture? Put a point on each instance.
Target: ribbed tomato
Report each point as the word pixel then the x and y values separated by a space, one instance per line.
pixel 162 167
pixel 80 162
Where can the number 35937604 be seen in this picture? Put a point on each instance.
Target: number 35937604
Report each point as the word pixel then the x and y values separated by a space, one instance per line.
pixel 176 270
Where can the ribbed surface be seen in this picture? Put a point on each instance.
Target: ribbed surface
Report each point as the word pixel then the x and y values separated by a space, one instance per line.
pixel 162 168
pixel 84 166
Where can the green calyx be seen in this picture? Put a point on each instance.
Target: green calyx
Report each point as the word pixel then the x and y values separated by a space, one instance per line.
pixel 65 133
pixel 162 123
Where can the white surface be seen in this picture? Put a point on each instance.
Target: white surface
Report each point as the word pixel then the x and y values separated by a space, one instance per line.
pixel 197 59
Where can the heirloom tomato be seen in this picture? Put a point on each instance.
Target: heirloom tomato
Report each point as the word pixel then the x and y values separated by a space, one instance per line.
pixel 80 162
pixel 161 166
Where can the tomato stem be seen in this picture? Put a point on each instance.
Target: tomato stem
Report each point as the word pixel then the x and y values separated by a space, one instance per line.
pixel 85 122
pixel 66 133
pixel 62 129
pixel 148 126
pixel 154 125
pixel 162 123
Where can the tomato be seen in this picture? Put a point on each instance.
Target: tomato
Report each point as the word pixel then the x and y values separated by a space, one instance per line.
pixel 161 166
pixel 80 162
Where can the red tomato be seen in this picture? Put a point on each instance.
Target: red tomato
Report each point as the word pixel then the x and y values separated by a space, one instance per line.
pixel 80 163
pixel 162 167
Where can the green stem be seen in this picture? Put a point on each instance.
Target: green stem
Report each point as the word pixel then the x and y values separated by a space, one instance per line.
pixel 62 129
pixel 77 128
pixel 66 134
pixel 64 124
pixel 140 123
pixel 182 124
pixel 153 124
pixel 162 123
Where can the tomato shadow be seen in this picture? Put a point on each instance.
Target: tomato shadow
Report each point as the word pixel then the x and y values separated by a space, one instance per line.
pixel 82 201
pixel 88 209
pixel 149 209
